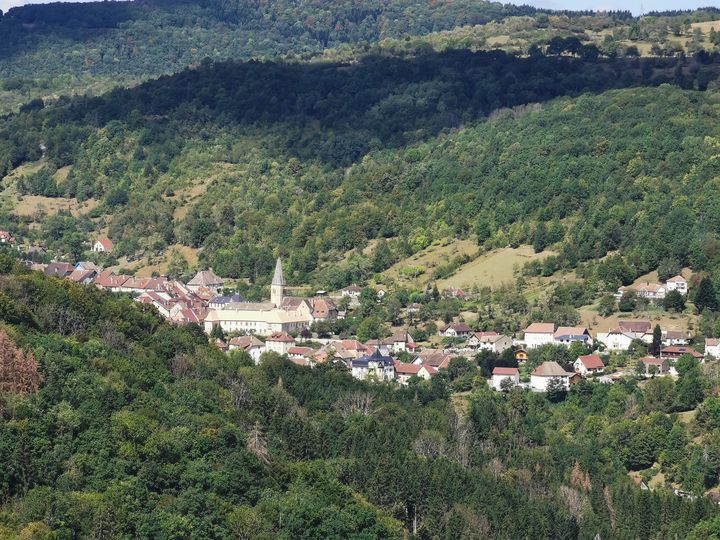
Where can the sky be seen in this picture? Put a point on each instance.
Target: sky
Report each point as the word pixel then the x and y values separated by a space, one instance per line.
pixel 632 5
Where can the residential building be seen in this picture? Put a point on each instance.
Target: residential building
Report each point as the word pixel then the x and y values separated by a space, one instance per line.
pixel 676 351
pixel 376 366
pixel 712 348
pixel 59 269
pixel 566 335
pixel 250 344
pixel 279 342
pixel 455 329
pixel 539 334
pixel 489 341
pixel 521 355
pixel 654 292
pixel 353 291
pixel 6 238
pixel 103 245
pixel 206 279
pixel 674 337
pixel 546 372
pixel 677 283
pixel 589 364
pixel 501 374
pixel 660 365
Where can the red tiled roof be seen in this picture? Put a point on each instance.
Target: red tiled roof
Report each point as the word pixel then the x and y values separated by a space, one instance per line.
pixel 282 337
pixel 540 328
pixel 592 361
pixel 407 369
pixel 550 369
pixel 680 349
pixel 506 371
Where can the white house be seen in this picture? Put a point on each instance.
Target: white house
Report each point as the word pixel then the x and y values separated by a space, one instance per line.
pixel 353 291
pixel 279 342
pixel 677 283
pixel 250 344
pixel 547 371
pixel 565 335
pixel 376 366
pixel 587 364
pixel 501 374
pixel 102 245
pixel 489 341
pixel 712 347
pixel 455 330
pixel 539 334
pixel 652 291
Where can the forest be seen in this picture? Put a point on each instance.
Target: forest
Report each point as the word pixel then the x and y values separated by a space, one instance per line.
pixel 122 426
pixel 320 159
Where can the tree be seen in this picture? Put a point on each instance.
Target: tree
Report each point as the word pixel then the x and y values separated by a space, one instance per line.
pixel 656 344
pixel 705 296
pixel 628 301
pixel 371 328
pixel 606 305
pixel 674 301
pixel 556 390
pixel 19 371
pixel 540 241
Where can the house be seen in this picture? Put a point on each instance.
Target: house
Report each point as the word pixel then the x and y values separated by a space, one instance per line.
pixel 588 364
pixel 620 337
pixel 676 351
pixel 546 372
pixel 206 279
pixel 250 344
pixel 539 334
pixel 454 329
pixel 404 371
pixel 521 356
pixel 400 341
pixel 59 269
pixel 84 277
pixel 353 291
pixel 380 294
pixel 674 337
pixel 88 265
pixel 102 245
pixel 660 365
pixel 677 283
pixel 566 335
pixel 501 374
pixel 454 292
pixel 305 354
pixel 374 366
pixel 6 238
pixel 712 348
pixel 220 301
pixel 654 292
pixel 279 342
pixel 489 341
pixel 638 327
pixel 434 358
pixel 323 309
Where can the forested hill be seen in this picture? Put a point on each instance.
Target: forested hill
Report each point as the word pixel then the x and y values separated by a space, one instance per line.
pixel 250 160
pixel 64 46
pixel 115 424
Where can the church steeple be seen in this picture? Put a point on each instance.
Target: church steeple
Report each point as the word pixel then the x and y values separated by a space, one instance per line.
pixel 277 287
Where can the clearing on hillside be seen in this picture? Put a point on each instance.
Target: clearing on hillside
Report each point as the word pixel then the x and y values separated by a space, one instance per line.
pixel 493 268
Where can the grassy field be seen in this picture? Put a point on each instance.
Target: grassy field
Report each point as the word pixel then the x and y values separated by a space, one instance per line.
pixel 146 267
pixel 429 259
pixel 492 269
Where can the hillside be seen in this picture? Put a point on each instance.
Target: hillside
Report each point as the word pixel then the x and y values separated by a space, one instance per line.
pixel 319 159
pixel 142 430
pixel 63 48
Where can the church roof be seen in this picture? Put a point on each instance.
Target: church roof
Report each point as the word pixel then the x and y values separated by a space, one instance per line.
pixel 278 278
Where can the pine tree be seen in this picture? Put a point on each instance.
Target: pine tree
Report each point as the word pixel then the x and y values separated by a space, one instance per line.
pixel 705 297
pixel 656 344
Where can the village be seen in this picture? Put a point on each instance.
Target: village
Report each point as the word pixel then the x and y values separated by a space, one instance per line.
pixel 283 325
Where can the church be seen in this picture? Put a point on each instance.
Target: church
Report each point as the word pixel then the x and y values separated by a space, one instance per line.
pixel 281 314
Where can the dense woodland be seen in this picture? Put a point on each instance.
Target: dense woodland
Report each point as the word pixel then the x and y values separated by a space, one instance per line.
pixel 142 430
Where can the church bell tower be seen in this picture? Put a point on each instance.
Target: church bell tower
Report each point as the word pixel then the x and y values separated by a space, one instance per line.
pixel 277 288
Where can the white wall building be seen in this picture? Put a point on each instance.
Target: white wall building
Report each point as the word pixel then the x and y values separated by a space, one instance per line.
pixel 500 374
pixel 539 334
pixel 547 371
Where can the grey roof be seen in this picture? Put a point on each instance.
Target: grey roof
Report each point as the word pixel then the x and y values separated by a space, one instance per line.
pixel 376 357
pixel 278 278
